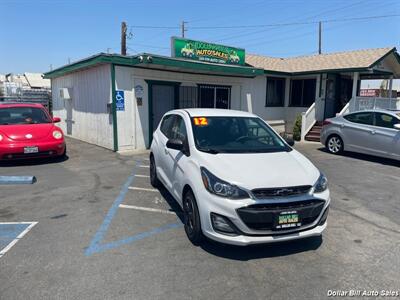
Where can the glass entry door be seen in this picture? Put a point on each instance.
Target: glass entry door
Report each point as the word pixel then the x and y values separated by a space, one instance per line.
pixel 214 96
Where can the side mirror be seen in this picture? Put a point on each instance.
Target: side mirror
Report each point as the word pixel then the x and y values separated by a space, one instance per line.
pixel 289 140
pixel 397 126
pixel 56 120
pixel 176 144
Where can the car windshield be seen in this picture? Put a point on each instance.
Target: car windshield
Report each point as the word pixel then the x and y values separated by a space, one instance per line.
pixel 235 135
pixel 23 115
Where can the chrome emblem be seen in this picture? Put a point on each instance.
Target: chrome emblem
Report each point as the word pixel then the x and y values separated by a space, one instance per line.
pixel 283 192
pixel 28 136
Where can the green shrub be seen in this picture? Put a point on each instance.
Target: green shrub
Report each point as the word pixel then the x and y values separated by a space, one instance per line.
pixel 297 128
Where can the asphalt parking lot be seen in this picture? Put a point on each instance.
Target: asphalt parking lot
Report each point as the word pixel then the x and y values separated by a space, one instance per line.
pixel 103 232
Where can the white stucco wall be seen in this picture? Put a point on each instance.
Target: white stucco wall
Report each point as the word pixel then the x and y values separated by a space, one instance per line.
pixel 91 91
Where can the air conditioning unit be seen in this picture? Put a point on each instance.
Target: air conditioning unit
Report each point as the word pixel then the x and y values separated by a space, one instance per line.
pixel 66 93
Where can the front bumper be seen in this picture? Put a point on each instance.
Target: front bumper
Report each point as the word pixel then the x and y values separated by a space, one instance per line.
pixel 248 233
pixel 14 151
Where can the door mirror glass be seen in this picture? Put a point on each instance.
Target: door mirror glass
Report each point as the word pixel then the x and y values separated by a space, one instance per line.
pixel 289 140
pixel 176 144
pixel 397 126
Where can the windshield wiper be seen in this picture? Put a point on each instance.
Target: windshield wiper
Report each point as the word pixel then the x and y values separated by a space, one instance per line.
pixel 209 150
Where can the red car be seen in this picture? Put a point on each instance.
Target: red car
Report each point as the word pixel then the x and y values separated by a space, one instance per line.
pixel 28 131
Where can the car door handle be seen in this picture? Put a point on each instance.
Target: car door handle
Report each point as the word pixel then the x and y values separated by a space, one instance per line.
pixel 166 151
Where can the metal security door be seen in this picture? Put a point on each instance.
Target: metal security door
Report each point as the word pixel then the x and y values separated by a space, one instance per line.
pixel 163 101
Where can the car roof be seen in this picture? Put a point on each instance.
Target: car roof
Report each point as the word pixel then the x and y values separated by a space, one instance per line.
pixel 385 111
pixel 16 104
pixel 213 112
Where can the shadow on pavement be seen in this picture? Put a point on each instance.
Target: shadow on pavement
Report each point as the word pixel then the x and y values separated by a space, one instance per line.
pixel 33 162
pixel 360 156
pixel 262 251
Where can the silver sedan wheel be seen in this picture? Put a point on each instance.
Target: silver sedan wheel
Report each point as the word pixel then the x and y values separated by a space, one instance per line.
pixel 335 144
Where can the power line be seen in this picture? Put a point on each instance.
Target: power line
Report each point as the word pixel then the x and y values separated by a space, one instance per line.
pixel 268 25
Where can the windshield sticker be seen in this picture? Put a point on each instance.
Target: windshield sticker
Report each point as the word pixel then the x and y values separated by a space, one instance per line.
pixel 200 121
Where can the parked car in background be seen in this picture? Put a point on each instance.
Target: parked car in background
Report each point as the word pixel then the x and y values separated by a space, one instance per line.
pixel 28 131
pixel 236 179
pixel 374 132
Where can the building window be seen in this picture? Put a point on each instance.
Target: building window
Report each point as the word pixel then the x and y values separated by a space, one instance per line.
pixel 275 91
pixel 214 96
pixel 302 92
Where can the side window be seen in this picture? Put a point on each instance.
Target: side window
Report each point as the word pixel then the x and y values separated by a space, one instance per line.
pixel 385 120
pixel 179 129
pixel 360 118
pixel 166 125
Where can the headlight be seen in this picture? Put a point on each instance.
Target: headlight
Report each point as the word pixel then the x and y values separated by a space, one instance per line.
pixel 221 188
pixel 321 184
pixel 1 137
pixel 57 134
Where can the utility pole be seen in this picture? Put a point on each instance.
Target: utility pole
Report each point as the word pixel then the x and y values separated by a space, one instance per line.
pixel 183 29
pixel 320 37
pixel 123 38
pixel 69 60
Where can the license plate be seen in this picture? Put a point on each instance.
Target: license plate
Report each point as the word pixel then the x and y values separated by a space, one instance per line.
pixel 28 150
pixel 287 219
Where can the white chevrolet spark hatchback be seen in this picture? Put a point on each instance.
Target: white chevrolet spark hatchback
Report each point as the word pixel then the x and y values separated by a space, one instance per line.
pixel 236 179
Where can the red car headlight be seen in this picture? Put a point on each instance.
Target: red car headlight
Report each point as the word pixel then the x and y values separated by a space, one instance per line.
pixel 57 134
pixel 1 137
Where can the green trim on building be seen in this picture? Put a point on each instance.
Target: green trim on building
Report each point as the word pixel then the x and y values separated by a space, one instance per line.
pixel 114 108
pixel 148 60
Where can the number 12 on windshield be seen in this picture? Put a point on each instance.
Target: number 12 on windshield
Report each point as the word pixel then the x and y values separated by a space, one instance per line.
pixel 200 121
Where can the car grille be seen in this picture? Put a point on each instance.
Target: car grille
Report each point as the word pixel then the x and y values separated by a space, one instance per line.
pixel 280 192
pixel 262 216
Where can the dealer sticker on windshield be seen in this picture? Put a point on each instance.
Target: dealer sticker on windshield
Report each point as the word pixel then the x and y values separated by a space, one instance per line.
pixel 200 121
pixel 287 219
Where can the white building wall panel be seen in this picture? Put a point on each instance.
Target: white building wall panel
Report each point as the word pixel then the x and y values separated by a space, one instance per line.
pixel 86 113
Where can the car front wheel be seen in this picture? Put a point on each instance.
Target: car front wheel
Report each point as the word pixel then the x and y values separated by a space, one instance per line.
pixel 334 144
pixel 191 219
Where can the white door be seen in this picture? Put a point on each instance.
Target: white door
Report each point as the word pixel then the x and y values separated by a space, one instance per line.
pixel 174 159
pixel 163 97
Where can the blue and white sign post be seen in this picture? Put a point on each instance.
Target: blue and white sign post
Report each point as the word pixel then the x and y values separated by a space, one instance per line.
pixel 120 100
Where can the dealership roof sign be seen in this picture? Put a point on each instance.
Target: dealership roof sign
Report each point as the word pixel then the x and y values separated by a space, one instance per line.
pixel 207 52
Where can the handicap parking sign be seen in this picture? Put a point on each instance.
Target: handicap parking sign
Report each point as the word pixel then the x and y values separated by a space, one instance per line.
pixel 120 100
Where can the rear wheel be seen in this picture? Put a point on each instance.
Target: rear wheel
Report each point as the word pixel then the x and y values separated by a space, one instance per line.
pixel 155 182
pixel 191 219
pixel 334 144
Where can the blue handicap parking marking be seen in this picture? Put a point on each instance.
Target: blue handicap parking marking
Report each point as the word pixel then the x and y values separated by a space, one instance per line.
pixel 11 232
pixel 96 244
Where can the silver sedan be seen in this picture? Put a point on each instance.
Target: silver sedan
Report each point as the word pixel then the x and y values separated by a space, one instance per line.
pixel 374 132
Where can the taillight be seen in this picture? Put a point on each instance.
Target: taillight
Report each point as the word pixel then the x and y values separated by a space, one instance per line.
pixel 326 122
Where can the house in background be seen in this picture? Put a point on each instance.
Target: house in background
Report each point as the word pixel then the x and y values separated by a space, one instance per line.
pixel 117 101
pixel 321 86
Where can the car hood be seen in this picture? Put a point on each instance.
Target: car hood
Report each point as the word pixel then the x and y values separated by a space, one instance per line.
pixel 262 170
pixel 24 131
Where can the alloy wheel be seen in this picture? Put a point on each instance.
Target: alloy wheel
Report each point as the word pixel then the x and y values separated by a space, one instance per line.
pixel 335 144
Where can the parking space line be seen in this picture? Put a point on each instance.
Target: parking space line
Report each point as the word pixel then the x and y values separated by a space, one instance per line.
pixel 143 189
pixel 20 236
pixel 162 211
pixel 144 176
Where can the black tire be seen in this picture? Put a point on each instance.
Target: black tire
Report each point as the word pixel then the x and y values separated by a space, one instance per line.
pixel 155 182
pixel 191 219
pixel 334 144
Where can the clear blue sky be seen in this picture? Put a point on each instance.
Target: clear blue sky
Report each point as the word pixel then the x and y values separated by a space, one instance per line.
pixel 37 33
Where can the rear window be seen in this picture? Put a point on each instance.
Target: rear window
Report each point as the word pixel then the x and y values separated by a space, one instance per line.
pixel 23 115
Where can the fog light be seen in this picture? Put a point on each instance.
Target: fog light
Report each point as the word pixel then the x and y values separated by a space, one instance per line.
pixel 9 156
pixel 51 152
pixel 222 224
pixel 324 217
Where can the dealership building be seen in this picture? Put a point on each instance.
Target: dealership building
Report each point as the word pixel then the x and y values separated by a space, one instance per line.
pixel 117 101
